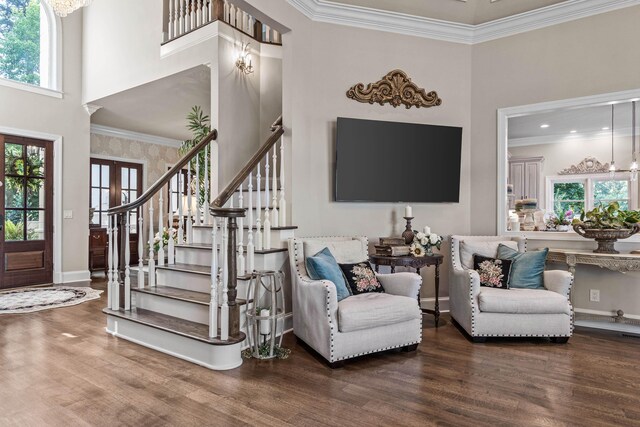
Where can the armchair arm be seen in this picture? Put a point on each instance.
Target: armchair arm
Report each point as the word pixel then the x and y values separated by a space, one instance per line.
pixel 467 281
pixel 403 284
pixel 558 281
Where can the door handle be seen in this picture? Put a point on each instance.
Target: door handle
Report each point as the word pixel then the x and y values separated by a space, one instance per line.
pixel 1 222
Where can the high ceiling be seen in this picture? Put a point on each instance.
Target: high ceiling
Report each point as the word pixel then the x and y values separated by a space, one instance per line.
pixel 466 12
pixel 158 108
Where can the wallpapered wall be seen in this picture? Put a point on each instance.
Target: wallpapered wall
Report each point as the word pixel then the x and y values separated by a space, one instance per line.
pixel 156 156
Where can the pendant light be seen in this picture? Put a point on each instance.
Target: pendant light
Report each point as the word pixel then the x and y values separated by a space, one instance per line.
pixel 612 168
pixel 633 169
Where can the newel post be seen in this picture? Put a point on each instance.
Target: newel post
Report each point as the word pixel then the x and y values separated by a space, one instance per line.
pixel 218 10
pixel 122 261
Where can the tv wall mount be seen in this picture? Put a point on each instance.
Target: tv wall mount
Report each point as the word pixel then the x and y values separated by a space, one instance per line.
pixel 396 88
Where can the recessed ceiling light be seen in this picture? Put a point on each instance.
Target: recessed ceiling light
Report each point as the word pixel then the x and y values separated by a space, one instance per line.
pixel 605 128
pixel 573 131
pixel 544 126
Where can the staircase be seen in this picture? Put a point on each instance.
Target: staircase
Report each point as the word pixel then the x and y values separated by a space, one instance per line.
pixel 188 297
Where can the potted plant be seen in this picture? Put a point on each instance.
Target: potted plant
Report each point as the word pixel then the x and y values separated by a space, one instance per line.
pixel 561 222
pixel 607 224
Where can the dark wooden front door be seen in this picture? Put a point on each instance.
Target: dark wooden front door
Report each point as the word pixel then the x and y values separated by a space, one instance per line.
pixel 26 211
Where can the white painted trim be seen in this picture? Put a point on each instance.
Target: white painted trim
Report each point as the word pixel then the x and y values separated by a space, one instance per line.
pixel 31 88
pixel 75 276
pixel 400 23
pixel 142 162
pixel 543 107
pixel 190 39
pixel 136 136
pixel 605 313
pixel 430 301
pixel 558 139
pixel 55 48
pixel 57 191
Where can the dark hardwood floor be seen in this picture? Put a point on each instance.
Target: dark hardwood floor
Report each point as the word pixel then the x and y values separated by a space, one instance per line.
pixel 59 367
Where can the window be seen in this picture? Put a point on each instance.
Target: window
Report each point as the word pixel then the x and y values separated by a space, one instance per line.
pixel 588 191
pixel 28 43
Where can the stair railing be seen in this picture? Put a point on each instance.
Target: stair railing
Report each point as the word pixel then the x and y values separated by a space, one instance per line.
pixel 129 218
pixel 185 16
pixel 229 262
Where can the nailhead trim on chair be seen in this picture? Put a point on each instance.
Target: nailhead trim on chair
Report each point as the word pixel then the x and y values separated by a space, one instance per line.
pixel 325 283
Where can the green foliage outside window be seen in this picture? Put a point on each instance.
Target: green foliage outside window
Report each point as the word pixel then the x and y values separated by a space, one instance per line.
pixel 20 40
pixel 568 196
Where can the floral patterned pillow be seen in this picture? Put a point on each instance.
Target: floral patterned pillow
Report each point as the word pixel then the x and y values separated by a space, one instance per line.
pixel 361 278
pixel 494 273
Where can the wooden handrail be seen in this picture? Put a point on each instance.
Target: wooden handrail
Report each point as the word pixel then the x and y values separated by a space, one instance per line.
pixel 162 181
pixel 224 196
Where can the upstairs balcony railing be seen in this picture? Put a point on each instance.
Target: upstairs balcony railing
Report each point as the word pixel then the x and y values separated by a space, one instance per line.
pixel 185 16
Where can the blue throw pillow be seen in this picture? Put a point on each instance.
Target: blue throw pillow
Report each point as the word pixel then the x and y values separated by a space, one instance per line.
pixel 323 266
pixel 527 268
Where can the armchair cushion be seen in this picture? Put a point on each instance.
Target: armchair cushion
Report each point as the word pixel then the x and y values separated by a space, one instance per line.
pixel 361 278
pixel 523 301
pixel 372 310
pixel 323 266
pixel 488 248
pixel 527 268
pixel 344 251
pixel 404 284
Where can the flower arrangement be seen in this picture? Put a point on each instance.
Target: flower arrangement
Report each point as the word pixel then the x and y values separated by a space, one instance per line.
pixel 423 242
pixel 561 222
pixel 166 232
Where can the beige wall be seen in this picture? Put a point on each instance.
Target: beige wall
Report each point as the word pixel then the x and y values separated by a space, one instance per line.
pixel 67 118
pixel 579 58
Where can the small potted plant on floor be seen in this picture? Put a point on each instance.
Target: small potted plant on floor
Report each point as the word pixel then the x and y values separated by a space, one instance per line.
pixel 607 224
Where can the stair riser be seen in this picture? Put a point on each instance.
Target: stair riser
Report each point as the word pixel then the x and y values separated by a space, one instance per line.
pixel 194 282
pixel 181 309
pixel 219 357
pixel 202 257
pixel 279 238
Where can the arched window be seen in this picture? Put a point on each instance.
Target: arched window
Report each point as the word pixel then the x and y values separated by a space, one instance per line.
pixel 29 43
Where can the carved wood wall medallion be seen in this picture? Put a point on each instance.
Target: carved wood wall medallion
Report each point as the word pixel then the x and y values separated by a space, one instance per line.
pixel 395 88
pixel 588 165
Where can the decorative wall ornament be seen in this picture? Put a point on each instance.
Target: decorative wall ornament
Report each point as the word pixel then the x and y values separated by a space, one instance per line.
pixel 395 88
pixel 588 165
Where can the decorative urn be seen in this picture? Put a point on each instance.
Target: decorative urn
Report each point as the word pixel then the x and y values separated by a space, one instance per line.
pixel 606 237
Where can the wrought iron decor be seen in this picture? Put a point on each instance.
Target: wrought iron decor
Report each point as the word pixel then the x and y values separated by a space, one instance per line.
pixel 588 165
pixel 395 88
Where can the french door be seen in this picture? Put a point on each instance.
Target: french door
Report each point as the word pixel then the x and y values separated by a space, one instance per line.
pixel 26 211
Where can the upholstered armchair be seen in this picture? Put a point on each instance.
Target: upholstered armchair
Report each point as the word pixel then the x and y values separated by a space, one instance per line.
pixel 359 324
pixel 488 312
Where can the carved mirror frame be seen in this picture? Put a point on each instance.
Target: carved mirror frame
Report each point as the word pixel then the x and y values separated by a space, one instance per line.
pixel 504 114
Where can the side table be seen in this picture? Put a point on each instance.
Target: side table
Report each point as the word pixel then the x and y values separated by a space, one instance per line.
pixel 417 263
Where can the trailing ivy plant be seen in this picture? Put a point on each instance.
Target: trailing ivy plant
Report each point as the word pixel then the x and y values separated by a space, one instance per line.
pixel 200 126
pixel 608 217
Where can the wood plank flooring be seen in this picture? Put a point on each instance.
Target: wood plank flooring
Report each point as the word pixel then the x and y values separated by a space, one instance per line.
pixel 60 368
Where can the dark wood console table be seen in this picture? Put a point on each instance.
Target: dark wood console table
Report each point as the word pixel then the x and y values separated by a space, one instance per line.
pixel 417 263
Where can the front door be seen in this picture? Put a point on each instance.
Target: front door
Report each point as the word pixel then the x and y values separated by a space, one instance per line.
pixel 26 211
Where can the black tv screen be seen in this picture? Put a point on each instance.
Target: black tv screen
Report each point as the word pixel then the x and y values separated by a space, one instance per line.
pixel 380 161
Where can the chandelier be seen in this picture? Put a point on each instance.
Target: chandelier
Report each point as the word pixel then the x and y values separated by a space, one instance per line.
pixel 64 7
pixel 633 168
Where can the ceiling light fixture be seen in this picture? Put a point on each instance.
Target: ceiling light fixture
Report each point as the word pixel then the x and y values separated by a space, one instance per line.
pixel 244 60
pixel 612 168
pixel 605 128
pixel 64 7
pixel 544 126
pixel 634 154
pixel 573 131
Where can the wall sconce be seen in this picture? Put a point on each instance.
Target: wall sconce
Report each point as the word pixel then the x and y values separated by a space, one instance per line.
pixel 244 60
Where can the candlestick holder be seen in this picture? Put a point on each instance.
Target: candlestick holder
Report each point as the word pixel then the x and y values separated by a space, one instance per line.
pixel 408 232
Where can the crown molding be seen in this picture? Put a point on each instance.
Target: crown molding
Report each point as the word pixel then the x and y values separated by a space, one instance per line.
pixel 400 23
pixel 136 136
pixel 621 132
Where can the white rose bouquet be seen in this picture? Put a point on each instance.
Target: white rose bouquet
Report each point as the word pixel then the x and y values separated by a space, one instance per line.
pixel 165 238
pixel 424 242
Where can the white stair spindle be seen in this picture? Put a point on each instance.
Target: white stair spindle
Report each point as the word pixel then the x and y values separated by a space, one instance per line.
pixel 224 311
pixel 250 247
pixel 192 15
pixel 182 19
pixel 213 302
pixel 140 249
pixel 171 242
pixel 240 240
pixel 283 203
pixel 175 23
pixel 189 205
pixel 127 269
pixel 197 191
pixel 258 211
pixel 115 302
pixel 160 230
pixel 266 240
pixel 180 211
pixel 171 18
pixel 110 266
pixel 152 262
pixel 199 13
pixel 267 33
pixel 274 199
pixel 207 214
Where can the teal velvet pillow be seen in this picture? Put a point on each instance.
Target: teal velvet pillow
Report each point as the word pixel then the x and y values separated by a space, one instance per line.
pixel 323 266
pixel 527 268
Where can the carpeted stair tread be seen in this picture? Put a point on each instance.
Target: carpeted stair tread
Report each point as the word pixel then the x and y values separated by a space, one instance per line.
pixel 185 328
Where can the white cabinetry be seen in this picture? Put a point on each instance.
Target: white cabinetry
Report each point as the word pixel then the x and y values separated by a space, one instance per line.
pixel 525 175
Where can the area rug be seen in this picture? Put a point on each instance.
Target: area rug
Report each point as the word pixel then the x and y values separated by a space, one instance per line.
pixel 36 299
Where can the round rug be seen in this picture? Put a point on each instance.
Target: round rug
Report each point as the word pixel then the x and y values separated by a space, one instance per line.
pixel 36 299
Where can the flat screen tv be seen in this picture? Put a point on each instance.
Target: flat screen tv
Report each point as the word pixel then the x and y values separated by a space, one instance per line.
pixel 380 161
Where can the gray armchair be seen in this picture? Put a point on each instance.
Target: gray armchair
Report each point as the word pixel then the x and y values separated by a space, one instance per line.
pixel 487 312
pixel 359 324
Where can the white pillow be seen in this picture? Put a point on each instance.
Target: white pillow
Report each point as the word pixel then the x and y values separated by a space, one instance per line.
pixel 484 248
pixel 344 251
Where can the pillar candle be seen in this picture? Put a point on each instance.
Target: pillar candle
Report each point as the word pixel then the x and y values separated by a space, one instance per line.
pixel 427 230
pixel 265 325
pixel 408 212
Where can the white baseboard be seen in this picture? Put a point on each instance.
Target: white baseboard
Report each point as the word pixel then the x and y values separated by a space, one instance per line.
pixel 73 276
pixel 604 313
pixel 429 303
